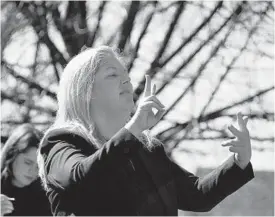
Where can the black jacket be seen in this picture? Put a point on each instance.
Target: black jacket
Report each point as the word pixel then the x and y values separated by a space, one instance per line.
pixel 124 178
pixel 29 201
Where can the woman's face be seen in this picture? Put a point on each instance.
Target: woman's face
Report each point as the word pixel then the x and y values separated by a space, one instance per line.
pixel 112 86
pixel 25 168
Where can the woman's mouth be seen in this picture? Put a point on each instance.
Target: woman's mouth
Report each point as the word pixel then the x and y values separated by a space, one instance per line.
pixel 29 178
pixel 125 92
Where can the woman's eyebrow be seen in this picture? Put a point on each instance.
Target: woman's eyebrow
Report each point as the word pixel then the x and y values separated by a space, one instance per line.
pixel 29 160
pixel 111 67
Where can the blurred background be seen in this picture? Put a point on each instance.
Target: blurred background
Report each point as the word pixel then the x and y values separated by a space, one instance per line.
pixel 209 60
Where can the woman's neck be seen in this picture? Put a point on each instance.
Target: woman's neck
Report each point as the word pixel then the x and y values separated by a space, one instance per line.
pixel 108 124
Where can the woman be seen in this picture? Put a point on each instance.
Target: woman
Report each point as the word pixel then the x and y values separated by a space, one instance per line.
pixel 21 190
pixel 97 160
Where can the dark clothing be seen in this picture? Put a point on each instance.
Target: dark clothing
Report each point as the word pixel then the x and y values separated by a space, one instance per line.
pixel 124 178
pixel 29 201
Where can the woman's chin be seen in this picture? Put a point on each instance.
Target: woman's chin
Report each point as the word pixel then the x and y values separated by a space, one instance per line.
pixel 23 183
pixel 128 98
pixel 28 181
pixel 128 105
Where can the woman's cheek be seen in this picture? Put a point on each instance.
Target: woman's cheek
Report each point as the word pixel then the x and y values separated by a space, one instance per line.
pixel 17 170
pixel 112 88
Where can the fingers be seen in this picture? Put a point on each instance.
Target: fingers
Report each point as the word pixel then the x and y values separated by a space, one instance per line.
pixel 234 146
pixel 6 207
pixel 10 198
pixel 234 131
pixel 6 210
pixel 4 197
pixel 229 143
pixel 10 207
pixel 147 91
pixel 7 203
pixel 159 114
pixel 232 143
pixel 151 104
pixel 235 149
pixel 154 89
pixel 148 87
pixel 242 121
pixel 156 100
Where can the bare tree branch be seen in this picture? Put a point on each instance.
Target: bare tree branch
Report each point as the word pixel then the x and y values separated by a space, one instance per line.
pixel 229 67
pixel 128 24
pixel 153 68
pixel 55 70
pixel 91 39
pixel 4 139
pixel 194 33
pixel 39 24
pixel 163 47
pixel 164 9
pixel 213 115
pixel 142 34
pixel 21 101
pixel 15 122
pixel 29 81
pixel 268 116
pixel 236 12
pixel 169 33
pixel 200 70
pixel 271 139
pixel 69 22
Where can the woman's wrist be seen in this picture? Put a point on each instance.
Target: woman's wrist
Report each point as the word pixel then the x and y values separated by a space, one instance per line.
pixel 133 129
pixel 240 164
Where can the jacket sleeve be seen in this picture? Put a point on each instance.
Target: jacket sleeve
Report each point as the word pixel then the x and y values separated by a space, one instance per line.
pixel 66 164
pixel 202 194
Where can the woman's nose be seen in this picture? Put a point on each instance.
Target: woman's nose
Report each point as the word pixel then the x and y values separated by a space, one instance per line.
pixel 126 79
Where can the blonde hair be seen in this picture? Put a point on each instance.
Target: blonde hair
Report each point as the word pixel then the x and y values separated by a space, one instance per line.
pixel 74 100
pixel 74 97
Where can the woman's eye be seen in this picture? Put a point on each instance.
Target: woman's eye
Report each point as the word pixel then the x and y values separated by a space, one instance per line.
pixel 112 75
pixel 27 162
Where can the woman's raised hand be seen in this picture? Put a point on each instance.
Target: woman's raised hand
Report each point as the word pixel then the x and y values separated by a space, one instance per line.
pixel 6 205
pixel 145 118
pixel 241 145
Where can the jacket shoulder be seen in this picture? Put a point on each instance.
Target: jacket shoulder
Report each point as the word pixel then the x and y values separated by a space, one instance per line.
pixel 71 139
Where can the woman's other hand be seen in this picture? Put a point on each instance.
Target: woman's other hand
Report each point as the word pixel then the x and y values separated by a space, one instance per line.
pixel 145 118
pixel 6 205
pixel 241 145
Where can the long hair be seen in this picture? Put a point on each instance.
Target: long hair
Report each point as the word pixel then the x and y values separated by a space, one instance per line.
pixel 23 137
pixel 74 96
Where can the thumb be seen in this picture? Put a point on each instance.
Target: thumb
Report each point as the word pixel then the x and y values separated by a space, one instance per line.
pixel 154 89
pixel 245 119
